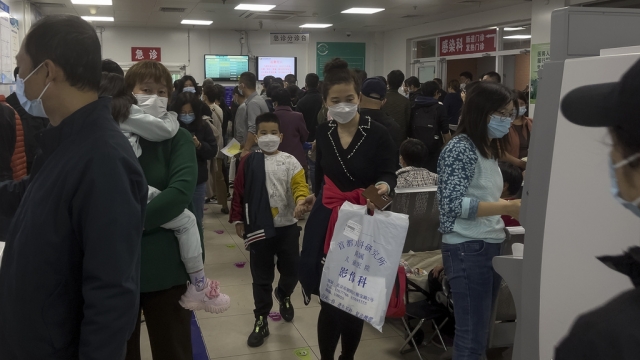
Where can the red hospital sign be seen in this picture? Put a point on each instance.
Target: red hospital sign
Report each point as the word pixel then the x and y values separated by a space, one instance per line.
pixel 146 53
pixel 468 43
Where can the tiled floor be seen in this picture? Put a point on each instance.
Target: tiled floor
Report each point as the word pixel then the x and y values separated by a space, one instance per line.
pixel 226 334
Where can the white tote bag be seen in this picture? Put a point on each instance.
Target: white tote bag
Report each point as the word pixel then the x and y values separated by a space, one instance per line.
pixel 362 263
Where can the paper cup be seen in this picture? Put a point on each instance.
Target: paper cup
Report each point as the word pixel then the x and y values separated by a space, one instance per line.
pixel 517 249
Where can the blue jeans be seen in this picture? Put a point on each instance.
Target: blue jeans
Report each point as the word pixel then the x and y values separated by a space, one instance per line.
pixel 474 287
pixel 198 201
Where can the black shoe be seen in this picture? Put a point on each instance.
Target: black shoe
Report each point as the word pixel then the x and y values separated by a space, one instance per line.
pixel 286 309
pixel 225 211
pixel 260 332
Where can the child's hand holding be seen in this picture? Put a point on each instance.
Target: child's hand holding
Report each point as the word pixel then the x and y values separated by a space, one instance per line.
pixel 301 209
pixel 240 230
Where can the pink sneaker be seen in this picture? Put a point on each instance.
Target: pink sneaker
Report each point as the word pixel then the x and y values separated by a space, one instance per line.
pixel 210 299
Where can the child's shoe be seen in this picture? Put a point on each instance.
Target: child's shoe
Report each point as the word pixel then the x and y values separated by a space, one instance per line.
pixel 210 299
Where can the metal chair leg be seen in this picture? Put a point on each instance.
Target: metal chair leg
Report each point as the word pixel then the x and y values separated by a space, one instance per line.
pixel 437 332
pixel 410 338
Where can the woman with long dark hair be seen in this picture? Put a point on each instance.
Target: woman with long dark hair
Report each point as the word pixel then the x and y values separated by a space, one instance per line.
pixel 520 132
pixel 190 110
pixel 469 189
pixel 352 153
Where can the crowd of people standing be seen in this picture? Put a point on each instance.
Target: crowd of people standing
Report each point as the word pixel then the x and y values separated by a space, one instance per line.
pixel 114 200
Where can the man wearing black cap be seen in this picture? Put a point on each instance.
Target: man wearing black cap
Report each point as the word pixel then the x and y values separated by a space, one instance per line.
pixel 612 332
pixel 372 98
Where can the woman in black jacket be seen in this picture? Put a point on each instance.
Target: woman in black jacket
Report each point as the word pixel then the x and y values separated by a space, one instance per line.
pixel 190 110
pixel 352 153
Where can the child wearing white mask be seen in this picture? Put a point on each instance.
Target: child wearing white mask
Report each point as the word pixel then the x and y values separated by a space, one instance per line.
pixel 151 121
pixel 269 196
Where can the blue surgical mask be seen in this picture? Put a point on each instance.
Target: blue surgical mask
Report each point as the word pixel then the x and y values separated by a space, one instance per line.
pixel 189 89
pixel 499 126
pixel 615 191
pixel 187 118
pixel 522 110
pixel 33 107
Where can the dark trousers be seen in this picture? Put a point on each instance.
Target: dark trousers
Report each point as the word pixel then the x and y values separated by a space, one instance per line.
pixel 286 246
pixel 168 324
pixel 334 323
pixel 432 161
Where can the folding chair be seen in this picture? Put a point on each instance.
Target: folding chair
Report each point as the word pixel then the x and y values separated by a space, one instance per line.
pixel 435 306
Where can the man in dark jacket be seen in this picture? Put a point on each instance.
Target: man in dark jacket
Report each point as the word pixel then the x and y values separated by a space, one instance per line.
pixel 429 123
pixel 69 281
pixel 372 98
pixel 30 124
pixel 310 105
pixel 397 106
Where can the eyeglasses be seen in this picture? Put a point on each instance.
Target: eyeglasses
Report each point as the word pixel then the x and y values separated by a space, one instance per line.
pixel 506 114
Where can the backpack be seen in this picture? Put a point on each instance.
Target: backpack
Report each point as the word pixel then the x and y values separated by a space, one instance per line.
pixel 397 306
pixel 425 127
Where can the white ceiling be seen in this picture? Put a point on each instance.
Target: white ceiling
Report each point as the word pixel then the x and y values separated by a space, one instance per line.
pixel 398 13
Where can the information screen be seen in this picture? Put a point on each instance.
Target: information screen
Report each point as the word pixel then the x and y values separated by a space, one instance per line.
pixel 225 67
pixel 276 66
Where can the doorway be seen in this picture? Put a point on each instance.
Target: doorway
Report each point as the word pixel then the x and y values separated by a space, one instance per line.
pixel 515 71
pixel 476 66
pixel 426 71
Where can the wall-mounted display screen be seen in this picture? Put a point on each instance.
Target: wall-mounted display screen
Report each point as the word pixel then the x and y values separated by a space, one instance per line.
pixel 225 67
pixel 276 66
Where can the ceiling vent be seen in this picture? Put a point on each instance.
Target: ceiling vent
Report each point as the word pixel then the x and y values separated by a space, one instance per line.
pixel 410 16
pixel 49 5
pixel 271 15
pixel 470 2
pixel 172 10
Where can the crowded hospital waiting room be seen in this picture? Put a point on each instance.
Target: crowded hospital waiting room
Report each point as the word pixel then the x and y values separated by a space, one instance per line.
pixel 319 180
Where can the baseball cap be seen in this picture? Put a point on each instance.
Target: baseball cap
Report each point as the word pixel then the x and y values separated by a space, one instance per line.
pixel 605 105
pixel 374 88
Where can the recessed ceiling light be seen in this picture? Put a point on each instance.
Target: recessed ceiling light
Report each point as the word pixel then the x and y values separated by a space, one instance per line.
pixel 91 2
pixel 514 28
pixel 98 18
pixel 196 22
pixel 317 26
pixel 518 37
pixel 253 7
pixel 362 11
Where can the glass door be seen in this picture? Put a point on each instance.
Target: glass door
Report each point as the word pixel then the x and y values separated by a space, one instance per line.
pixel 425 71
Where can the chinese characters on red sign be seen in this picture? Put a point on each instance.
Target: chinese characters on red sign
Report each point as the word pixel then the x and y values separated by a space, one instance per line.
pixel 469 43
pixel 146 53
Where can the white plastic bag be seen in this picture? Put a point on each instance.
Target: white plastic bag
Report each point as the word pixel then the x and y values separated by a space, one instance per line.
pixel 362 263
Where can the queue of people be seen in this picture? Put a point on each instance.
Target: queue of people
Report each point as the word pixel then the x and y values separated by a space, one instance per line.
pixel 113 199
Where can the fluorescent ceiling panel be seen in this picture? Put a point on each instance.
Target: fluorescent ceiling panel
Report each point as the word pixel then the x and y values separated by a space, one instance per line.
pixel 316 26
pixel 518 37
pixel 362 11
pixel 91 2
pixel 98 18
pixel 252 7
pixel 196 22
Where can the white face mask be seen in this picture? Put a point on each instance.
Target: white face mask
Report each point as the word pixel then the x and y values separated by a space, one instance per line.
pixel 152 104
pixel 343 112
pixel 33 107
pixel 269 143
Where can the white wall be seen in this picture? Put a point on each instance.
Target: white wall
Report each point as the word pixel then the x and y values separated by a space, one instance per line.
pixel 396 42
pixel 117 43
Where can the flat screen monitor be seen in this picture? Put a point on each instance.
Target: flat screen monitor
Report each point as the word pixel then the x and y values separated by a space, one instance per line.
pixel 225 67
pixel 276 66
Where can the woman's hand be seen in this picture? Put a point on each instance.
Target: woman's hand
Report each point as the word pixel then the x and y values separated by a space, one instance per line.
pixel 383 189
pixel 240 230
pixel 301 209
pixel 309 202
pixel 512 208
pixel 196 142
